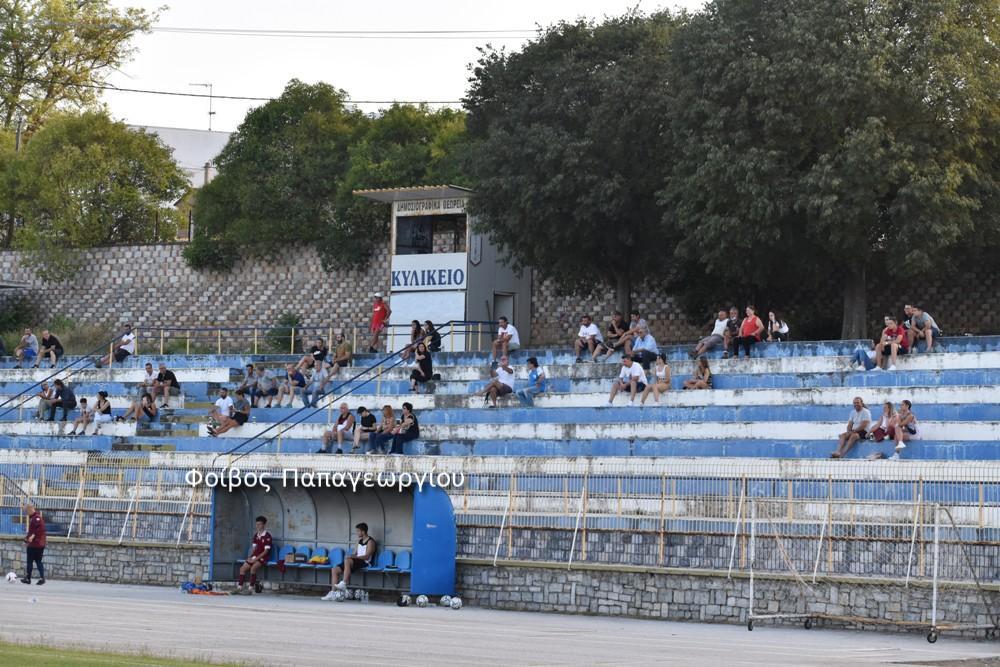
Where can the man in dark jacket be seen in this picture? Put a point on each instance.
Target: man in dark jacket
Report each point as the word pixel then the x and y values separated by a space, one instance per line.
pixel 35 541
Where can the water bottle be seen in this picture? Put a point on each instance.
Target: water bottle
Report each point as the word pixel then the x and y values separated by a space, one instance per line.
pixel 364 597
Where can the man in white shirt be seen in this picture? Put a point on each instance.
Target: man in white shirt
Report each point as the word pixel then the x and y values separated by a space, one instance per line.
pixel 501 382
pixel 631 378
pixel 223 406
pixel 124 348
pixel 714 339
pixel 507 340
pixel 589 337
pixel 857 428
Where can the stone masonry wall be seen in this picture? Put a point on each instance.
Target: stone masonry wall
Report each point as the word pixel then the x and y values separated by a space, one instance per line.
pixel 152 285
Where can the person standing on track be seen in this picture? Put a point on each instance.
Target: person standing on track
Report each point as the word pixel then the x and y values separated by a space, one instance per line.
pixel 260 553
pixel 35 541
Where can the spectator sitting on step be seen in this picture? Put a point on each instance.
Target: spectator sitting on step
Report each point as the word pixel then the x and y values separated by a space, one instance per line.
pixel 892 344
pixel 123 349
pixel 922 327
pixel 294 382
pixel 387 425
pixel 864 358
pixel 587 338
pixel 537 383
pixel 635 323
pixel 702 376
pixel 430 331
pixel 364 426
pixel 884 428
pixel 148 380
pixel 908 319
pixel 267 387
pixel 102 411
pixel 613 336
pixel 240 416
pixel 857 429
pixel 714 339
pixel 408 429
pixel 223 407
pixel 751 329
pixel 64 399
pixel 45 395
pixel 317 385
pixel 317 353
pixel 777 328
pixel 27 348
pixel 906 427
pixel 343 352
pixel 51 348
pixel 661 380
pixel 249 383
pixel 144 411
pixel 416 336
pixel 86 416
pixel 631 378
pixel 643 347
pixel 501 382
pixel 423 373
pixel 363 557
pixel 166 385
pixel 343 429
pixel 732 335
pixel 507 340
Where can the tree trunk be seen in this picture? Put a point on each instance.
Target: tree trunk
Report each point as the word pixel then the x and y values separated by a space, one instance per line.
pixel 623 294
pixel 855 323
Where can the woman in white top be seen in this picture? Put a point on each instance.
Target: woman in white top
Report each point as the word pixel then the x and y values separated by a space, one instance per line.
pixel 777 328
pixel 906 427
pixel 661 380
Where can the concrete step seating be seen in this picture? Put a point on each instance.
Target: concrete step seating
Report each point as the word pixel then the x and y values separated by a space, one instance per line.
pixel 791 400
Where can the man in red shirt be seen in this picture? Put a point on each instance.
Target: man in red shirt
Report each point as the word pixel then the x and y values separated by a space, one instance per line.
pixel 892 343
pixel 260 553
pixel 35 540
pixel 380 316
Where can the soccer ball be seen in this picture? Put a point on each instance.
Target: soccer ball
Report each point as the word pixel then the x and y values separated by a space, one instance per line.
pixel 358 594
pixel 421 600
pixel 339 596
pixel 11 578
pixel 456 602
pixel 445 600
pixel 404 601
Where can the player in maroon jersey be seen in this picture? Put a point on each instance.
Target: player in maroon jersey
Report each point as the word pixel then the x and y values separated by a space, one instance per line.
pixel 260 553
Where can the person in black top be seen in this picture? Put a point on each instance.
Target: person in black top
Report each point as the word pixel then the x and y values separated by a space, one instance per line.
pixel 317 353
pixel 50 346
pixel 166 385
pixel 408 429
pixel 425 367
pixel 366 425
pixel 732 334
pixel 64 398
pixel 429 331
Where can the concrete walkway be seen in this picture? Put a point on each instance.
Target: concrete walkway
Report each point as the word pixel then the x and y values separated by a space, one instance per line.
pixel 285 630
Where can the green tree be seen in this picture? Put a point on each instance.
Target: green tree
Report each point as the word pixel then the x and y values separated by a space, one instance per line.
pixel 53 52
pixel 568 149
pixel 820 141
pixel 85 180
pixel 287 176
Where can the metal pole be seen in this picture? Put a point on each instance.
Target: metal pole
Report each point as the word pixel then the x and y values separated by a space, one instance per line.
pixel 736 529
pixel 819 547
pixel 161 342
pixel 503 524
pixel 753 551
pixel 218 340
pixel 291 346
pixel 255 340
pixel 913 537
pixel 121 536
pixel 188 350
pixel 937 545
pixel 579 515
pixel 180 531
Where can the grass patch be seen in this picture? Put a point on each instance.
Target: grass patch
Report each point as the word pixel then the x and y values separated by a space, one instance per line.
pixel 40 656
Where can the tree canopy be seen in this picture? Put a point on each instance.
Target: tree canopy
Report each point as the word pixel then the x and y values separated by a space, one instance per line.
pixel 287 175
pixel 85 180
pixel 826 141
pixel 55 53
pixel 568 149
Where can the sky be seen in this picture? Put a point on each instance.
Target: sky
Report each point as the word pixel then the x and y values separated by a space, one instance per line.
pixel 368 69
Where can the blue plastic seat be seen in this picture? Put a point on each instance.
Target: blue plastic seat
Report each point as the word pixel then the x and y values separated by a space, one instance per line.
pixel 320 551
pixel 276 554
pixel 307 551
pixel 403 561
pixel 383 561
pixel 336 557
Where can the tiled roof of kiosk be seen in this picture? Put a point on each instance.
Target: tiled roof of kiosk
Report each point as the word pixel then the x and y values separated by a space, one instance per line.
pixel 389 195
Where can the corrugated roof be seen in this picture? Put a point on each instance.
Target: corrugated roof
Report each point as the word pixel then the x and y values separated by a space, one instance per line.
pixel 389 195
pixel 192 149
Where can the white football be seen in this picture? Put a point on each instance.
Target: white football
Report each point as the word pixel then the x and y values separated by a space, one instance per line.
pixel 456 603
pixel 421 600
pixel 445 601
pixel 11 578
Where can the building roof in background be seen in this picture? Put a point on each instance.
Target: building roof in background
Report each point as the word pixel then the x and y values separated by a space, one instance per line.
pixel 389 195
pixel 192 149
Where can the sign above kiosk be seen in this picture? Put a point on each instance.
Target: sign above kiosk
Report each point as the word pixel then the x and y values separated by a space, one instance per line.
pixel 430 207
pixel 427 273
